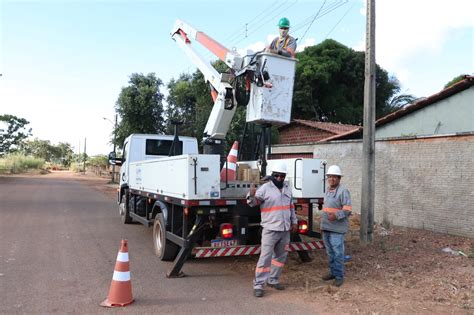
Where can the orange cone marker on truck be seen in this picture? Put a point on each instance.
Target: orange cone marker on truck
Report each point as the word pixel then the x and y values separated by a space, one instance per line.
pixel 120 293
pixel 230 167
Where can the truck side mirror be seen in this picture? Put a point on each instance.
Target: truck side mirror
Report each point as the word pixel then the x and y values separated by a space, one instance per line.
pixel 113 159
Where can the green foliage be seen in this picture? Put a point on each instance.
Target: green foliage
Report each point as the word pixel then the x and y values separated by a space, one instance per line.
pixel 398 101
pixel 98 160
pixel 58 154
pixel 17 163
pixel 12 133
pixel 455 80
pixel 190 102
pixel 77 167
pixel 140 107
pixel 329 85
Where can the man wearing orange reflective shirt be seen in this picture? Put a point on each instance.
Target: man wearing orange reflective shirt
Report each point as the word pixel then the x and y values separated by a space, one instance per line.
pixel 278 219
pixel 335 223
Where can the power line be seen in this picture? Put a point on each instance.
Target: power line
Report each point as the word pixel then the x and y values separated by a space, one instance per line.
pixel 330 7
pixel 332 29
pixel 324 12
pixel 269 18
pixel 324 2
pixel 239 31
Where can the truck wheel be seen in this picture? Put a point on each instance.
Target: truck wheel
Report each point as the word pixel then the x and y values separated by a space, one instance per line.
pixel 164 249
pixel 124 214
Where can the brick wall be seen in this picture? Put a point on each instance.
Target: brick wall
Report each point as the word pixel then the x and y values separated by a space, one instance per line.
pixel 302 134
pixel 425 183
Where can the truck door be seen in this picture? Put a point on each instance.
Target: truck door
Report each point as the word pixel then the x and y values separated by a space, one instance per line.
pixel 124 167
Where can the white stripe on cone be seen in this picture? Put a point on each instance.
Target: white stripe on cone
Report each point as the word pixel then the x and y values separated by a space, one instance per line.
pixel 121 276
pixel 230 166
pixel 233 152
pixel 122 257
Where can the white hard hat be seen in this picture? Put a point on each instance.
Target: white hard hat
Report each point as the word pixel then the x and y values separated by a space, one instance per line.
pixel 280 167
pixel 334 170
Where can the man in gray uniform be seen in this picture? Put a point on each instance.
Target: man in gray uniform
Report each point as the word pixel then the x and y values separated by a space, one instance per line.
pixel 335 224
pixel 284 45
pixel 278 219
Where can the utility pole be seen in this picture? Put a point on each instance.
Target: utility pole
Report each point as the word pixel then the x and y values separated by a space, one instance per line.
pixel 115 153
pixel 368 147
pixel 84 165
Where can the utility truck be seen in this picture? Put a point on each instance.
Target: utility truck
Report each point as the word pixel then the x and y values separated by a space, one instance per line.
pixel 165 183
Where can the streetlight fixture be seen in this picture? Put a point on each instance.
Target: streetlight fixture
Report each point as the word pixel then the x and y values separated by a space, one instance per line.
pixel 115 137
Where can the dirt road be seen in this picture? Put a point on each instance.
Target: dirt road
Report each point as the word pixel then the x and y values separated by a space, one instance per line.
pixel 60 234
pixel 59 241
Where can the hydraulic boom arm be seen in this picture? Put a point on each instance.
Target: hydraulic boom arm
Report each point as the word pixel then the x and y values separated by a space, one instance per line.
pixel 222 93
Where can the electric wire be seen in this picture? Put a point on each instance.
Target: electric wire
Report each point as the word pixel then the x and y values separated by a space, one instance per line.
pixel 309 26
pixel 324 12
pixel 328 8
pixel 332 29
pixel 241 32
pixel 265 21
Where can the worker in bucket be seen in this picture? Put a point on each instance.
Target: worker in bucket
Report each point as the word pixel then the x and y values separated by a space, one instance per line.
pixel 284 44
pixel 278 219
pixel 335 224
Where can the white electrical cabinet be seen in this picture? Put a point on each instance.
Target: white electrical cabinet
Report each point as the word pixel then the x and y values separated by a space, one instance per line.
pixel 273 104
pixel 305 177
pixel 190 176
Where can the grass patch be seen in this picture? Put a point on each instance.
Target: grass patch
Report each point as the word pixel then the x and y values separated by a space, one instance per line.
pixel 18 163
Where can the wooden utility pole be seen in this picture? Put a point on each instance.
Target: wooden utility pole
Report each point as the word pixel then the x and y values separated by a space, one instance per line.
pixel 84 167
pixel 368 147
pixel 115 149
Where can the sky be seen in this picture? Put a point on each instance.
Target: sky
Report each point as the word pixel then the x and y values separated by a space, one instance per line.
pixel 64 63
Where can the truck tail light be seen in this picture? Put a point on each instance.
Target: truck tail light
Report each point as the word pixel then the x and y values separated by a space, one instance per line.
pixel 302 226
pixel 226 230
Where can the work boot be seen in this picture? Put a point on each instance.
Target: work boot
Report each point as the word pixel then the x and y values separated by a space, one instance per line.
pixel 258 292
pixel 338 282
pixel 328 277
pixel 276 286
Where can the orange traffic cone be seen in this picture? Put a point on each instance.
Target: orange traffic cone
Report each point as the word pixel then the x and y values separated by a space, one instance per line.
pixel 120 293
pixel 230 166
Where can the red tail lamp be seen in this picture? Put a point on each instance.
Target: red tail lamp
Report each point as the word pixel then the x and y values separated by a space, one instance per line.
pixel 302 226
pixel 226 230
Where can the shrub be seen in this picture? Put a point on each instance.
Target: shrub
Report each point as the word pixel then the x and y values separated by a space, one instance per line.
pixel 17 163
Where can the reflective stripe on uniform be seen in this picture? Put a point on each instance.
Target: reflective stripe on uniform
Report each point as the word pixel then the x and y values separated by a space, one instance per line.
pixel 263 269
pixel 276 208
pixel 348 208
pixel 277 263
pixel 331 210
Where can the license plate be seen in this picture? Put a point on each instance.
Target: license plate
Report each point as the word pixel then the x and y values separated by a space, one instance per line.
pixel 223 243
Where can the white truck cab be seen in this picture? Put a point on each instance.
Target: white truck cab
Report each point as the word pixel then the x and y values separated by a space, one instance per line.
pixel 143 147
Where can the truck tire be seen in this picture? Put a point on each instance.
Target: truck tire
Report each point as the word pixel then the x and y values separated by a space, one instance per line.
pixel 124 214
pixel 164 249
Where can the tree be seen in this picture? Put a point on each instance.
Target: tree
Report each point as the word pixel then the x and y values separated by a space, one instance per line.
pixel 98 160
pixel 398 101
pixel 329 85
pixel 140 107
pixel 13 133
pixel 190 101
pixel 61 153
pixel 455 80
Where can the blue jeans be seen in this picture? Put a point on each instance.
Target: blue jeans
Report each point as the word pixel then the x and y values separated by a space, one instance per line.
pixel 334 243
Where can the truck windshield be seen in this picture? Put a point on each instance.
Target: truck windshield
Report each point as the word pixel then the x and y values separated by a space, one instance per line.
pixel 161 147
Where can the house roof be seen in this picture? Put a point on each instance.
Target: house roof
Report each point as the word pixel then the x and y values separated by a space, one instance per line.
pixel 460 86
pixel 334 128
